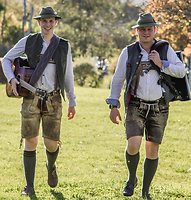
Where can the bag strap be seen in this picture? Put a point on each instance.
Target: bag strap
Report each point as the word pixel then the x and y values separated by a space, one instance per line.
pixel 132 64
pixel 44 59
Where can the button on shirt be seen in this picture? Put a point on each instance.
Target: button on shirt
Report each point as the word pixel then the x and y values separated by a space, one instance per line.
pixel 48 79
pixel 148 88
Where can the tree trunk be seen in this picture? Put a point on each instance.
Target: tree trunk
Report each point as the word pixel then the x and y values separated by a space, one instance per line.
pixel 30 19
pixel 24 16
pixel 3 23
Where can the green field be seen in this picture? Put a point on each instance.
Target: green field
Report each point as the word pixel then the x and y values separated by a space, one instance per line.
pixel 91 162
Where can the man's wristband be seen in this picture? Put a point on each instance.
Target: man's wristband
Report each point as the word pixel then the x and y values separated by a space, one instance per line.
pixel 112 106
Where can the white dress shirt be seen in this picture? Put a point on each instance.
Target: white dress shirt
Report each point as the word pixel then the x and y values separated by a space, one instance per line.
pixel 148 88
pixel 48 79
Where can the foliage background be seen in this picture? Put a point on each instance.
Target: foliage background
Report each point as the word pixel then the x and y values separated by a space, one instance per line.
pixel 175 19
pixel 94 27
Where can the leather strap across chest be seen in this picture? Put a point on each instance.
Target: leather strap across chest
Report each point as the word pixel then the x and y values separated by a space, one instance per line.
pixel 44 59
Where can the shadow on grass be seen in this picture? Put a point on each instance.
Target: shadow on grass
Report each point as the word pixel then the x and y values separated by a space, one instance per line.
pixel 33 197
pixel 57 195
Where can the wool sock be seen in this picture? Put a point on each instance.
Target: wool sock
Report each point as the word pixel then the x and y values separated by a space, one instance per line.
pixel 51 158
pixel 132 163
pixel 29 160
pixel 150 167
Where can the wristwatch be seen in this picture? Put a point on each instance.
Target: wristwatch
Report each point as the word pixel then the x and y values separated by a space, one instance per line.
pixel 112 106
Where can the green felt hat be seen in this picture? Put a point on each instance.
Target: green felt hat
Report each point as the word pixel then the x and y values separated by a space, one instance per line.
pixel 145 19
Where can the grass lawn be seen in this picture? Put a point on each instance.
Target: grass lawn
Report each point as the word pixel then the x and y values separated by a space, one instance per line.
pixel 91 162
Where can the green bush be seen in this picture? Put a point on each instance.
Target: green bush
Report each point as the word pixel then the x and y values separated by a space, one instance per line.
pixel 86 74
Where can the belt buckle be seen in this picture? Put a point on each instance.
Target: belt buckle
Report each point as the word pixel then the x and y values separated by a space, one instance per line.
pixel 41 93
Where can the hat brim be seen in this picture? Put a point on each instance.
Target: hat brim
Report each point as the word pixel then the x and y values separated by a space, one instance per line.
pixel 46 16
pixel 147 24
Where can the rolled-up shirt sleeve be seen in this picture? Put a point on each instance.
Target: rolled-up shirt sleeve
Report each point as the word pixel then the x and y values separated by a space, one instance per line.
pixel 69 79
pixel 10 56
pixel 118 79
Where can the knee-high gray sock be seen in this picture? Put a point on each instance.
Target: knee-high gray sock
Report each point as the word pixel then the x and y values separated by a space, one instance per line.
pixel 29 160
pixel 150 167
pixel 51 158
pixel 132 163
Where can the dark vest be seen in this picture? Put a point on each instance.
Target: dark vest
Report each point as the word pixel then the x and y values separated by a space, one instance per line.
pixel 134 59
pixel 33 48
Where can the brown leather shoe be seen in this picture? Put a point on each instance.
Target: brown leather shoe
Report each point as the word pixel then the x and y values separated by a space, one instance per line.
pixel 28 191
pixel 52 177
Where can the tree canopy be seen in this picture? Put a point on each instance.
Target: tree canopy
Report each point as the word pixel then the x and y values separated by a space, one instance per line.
pixel 96 27
pixel 99 27
pixel 175 19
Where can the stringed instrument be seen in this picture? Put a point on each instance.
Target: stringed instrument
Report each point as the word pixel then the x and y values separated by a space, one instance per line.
pixel 22 71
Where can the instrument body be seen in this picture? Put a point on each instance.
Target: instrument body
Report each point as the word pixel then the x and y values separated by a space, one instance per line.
pixel 22 71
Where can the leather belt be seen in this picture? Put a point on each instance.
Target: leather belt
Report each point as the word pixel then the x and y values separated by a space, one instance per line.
pixel 50 94
pixel 136 99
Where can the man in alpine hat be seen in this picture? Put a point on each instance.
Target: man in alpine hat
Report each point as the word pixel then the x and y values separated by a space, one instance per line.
pixel 50 57
pixel 146 98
